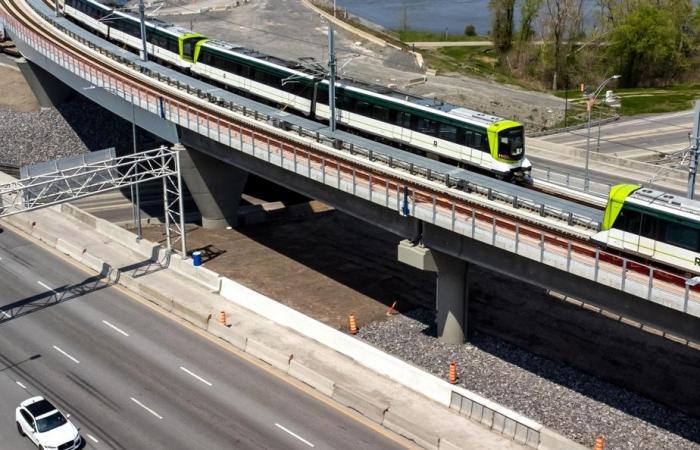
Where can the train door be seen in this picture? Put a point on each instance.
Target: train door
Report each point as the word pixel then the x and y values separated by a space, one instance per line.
pixel 403 120
pixel 646 244
pixel 629 224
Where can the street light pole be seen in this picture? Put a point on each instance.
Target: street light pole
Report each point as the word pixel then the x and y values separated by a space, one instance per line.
pixel 589 105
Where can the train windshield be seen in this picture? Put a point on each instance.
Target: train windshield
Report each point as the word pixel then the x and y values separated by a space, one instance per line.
pixel 511 143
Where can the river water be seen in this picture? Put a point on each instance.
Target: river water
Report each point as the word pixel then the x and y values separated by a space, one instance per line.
pixel 435 15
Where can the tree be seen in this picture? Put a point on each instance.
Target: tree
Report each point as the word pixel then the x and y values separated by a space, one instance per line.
pixel 502 24
pixel 561 24
pixel 528 12
pixel 470 30
pixel 643 48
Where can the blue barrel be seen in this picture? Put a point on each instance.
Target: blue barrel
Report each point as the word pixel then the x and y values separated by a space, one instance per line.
pixel 197 258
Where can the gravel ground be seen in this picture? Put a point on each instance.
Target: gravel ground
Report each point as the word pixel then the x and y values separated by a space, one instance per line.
pixel 571 402
pixel 75 127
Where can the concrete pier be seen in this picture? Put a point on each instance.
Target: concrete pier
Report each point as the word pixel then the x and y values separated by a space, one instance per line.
pixel 452 297
pixel 216 187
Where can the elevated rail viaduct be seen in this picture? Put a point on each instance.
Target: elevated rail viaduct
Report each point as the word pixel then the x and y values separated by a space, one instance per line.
pixel 447 218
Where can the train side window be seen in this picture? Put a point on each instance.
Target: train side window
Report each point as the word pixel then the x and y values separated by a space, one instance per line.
pixel 381 113
pixel 629 221
pixel 682 236
pixel 426 126
pixel 364 108
pixel 479 141
pixel 649 227
pixel 322 96
pixel 447 132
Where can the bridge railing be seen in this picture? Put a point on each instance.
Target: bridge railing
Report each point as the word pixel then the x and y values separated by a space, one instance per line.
pixel 433 198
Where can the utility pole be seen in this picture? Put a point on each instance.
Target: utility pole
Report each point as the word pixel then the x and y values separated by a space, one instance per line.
pixel 142 10
pixel 694 151
pixel 331 75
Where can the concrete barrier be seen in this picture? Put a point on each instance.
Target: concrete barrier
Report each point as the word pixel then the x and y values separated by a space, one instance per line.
pixel 69 249
pixel 21 223
pixel 311 377
pixel 192 311
pixel 371 408
pixel 497 417
pixel 551 440
pixel 44 236
pixel 229 335
pixel 207 278
pixel 155 296
pixel 80 215
pixel 132 284
pixel 447 445
pixel 271 356
pixel 413 431
pixel 93 262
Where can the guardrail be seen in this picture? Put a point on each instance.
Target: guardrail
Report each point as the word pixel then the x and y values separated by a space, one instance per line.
pixel 572 181
pixel 431 198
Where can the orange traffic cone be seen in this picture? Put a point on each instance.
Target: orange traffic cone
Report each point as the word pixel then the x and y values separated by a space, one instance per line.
pixel 222 318
pixel 392 310
pixel 599 443
pixel 352 324
pixel 452 377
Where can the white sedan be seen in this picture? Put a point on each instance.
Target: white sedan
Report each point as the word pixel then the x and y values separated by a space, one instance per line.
pixel 46 426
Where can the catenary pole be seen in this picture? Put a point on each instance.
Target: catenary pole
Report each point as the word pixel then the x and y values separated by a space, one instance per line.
pixel 142 11
pixel 694 151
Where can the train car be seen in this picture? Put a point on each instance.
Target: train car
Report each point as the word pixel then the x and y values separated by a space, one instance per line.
pixel 445 132
pixel 449 133
pixel 653 225
pixel 169 43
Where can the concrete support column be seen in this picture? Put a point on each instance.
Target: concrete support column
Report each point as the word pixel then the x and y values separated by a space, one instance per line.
pixel 452 298
pixel 216 187
pixel 48 90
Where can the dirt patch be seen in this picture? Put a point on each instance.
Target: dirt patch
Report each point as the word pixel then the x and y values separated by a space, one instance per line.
pixel 16 94
pixel 327 267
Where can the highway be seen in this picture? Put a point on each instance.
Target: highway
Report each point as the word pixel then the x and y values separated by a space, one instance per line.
pixel 134 379
pixel 644 137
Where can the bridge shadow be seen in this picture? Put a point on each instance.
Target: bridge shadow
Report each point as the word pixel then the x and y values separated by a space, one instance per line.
pixel 624 400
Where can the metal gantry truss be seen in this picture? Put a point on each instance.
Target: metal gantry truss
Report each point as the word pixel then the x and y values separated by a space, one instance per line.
pixel 95 177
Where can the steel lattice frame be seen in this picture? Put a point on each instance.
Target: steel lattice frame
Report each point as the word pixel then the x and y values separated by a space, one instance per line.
pixel 91 178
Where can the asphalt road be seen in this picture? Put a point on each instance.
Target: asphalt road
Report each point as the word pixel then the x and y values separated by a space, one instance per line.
pixel 133 379
pixel 662 133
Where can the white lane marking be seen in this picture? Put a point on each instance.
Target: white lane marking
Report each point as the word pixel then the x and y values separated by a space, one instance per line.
pixel 92 438
pixel 196 376
pixel 46 287
pixel 295 435
pixel 114 328
pixel 21 385
pixel 67 355
pixel 146 408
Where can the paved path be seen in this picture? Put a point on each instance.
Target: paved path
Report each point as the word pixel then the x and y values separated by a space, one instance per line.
pixel 133 379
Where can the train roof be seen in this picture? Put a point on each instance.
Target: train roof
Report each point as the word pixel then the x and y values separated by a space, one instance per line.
pixel 669 203
pixel 316 71
pixel 455 111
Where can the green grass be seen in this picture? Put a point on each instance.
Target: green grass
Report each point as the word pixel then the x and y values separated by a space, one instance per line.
pixel 429 36
pixel 649 100
pixel 473 61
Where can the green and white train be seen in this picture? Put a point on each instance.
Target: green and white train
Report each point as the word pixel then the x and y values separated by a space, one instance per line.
pixel 456 135
pixel 653 225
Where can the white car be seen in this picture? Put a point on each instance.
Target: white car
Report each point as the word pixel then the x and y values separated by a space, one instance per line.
pixel 46 426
